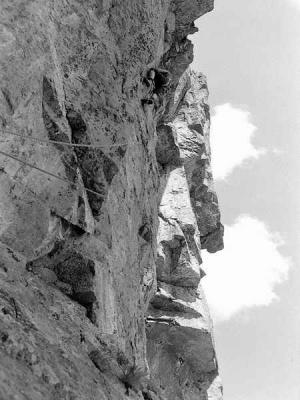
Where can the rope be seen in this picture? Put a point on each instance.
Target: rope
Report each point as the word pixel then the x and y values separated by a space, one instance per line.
pixel 64 143
pixel 47 172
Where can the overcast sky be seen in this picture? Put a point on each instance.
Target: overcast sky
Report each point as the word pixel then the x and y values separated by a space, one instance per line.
pixel 250 52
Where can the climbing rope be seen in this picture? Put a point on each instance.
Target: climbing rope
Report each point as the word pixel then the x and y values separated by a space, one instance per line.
pixel 34 139
pixel 47 172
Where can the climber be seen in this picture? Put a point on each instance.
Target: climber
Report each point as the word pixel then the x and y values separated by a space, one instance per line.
pixel 149 80
pixel 156 100
pixel 157 80
pixel 151 74
pixel 162 79
pixel 149 83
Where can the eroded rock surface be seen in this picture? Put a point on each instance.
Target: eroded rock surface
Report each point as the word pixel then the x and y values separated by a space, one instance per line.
pixel 106 199
pixel 179 329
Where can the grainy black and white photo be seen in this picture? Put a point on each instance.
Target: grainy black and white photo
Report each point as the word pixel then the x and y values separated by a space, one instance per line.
pixel 149 200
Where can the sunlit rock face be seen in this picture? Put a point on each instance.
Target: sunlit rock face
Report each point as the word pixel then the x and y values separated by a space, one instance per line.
pixel 106 198
pixel 179 329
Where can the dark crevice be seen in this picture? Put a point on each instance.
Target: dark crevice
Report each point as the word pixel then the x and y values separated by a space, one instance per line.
pixel 72 268
pixel 71 230
pixel 167 152
pixel 7 98
pixel 97 360
pixel 70 272
pixel 4 337
pixel 147 396
pixel 50 96
pixel 12 254
pixel 97 169
pixel 145 232
pixel 196 127
pixel 206 111
pixel 87 300
pixel 134 379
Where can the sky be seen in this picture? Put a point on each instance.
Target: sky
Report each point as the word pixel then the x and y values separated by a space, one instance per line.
pixel 250 53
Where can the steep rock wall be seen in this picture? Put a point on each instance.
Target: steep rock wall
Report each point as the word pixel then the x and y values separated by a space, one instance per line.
pixel 179 329
pixel 81 223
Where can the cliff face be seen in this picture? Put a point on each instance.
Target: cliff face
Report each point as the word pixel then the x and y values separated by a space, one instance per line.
pixel 179 330
pixel 100 240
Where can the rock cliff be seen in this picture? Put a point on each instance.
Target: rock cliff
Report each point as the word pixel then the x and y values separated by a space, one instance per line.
pixel 106 200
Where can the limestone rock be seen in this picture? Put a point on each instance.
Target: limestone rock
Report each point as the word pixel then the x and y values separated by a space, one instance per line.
pixel 180 342
pixel 105 201
pixel 192 124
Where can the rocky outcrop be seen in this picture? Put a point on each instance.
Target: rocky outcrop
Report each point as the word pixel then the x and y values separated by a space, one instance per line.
pixel 106 200
pixel 179 330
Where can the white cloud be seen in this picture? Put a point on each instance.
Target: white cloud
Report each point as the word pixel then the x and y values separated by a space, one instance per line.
pixel 295 2
pixel 277 152
pixel 231 135
pixel 246 272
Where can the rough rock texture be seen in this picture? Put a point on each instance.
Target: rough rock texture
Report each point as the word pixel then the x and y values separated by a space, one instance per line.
pixel 180 344
pixel 112 232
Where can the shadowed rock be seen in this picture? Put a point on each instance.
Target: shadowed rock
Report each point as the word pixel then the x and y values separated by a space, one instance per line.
pixel 80 230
